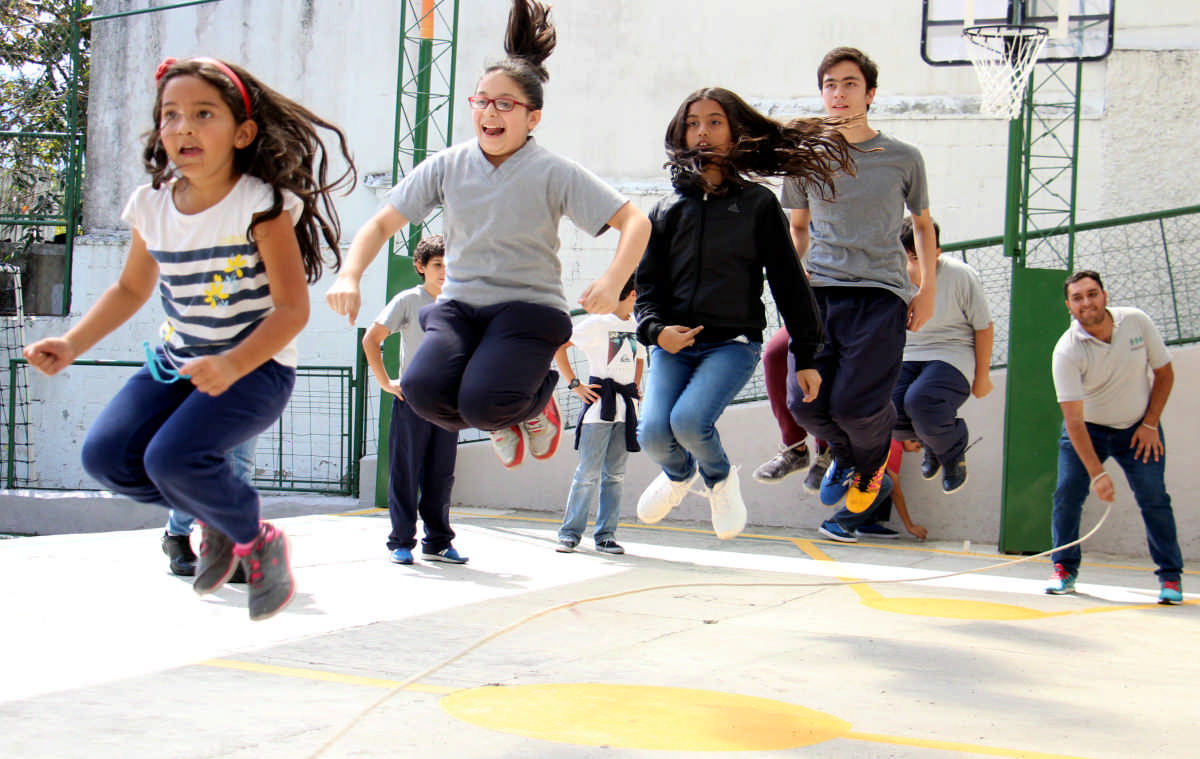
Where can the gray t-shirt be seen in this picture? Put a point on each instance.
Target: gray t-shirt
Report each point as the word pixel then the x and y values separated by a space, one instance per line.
pixel 855 238
pixel 959 311
pixel 400 315
pixel 501 222
pixel 1112 379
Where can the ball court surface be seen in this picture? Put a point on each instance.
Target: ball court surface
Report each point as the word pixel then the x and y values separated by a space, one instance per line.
pixel 777 643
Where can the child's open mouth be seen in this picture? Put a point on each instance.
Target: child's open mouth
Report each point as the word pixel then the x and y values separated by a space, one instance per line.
pixel 493 131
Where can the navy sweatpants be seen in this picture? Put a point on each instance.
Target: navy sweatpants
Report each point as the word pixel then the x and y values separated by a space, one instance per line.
pixel 422 474
pixel 486 367
pixel 927 397
pixel 859 363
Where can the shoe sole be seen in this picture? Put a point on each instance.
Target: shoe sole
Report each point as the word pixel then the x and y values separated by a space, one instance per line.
pixel 612 552
pixel 838 538
pixel 400 561
pixel 954 490
pixel 443 559
pixel 1054 592
pixel 1169 602
pixel 564 549
pixel 875 535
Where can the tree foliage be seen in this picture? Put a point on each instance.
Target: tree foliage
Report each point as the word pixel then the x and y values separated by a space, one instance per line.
pixel 36 93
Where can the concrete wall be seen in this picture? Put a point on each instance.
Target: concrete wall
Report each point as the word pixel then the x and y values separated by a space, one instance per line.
pixel 621 68
pixel 750 437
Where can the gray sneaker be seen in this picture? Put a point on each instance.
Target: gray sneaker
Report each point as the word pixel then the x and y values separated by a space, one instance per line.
pixel 812 481
pixel 269 573
pixel 788 461
pixel 216 563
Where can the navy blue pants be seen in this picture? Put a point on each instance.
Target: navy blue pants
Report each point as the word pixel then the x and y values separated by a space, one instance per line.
pixel 927 397
pixel 486 367
pixel 169 444
pixel 422 474
pixel 859 363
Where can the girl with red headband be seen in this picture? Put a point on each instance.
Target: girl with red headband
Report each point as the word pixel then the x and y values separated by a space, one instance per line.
pixel 228 231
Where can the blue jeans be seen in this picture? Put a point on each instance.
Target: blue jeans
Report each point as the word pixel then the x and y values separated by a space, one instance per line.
pixel 1146 479
pixel 167 444
pixel 241 457
pixel 686 393
pixel 879 510
pixel 602 457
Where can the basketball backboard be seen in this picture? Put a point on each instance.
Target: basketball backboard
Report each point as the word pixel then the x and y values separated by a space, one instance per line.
pixel 1080 30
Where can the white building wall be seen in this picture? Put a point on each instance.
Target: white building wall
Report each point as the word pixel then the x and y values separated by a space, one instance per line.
pixel 621 68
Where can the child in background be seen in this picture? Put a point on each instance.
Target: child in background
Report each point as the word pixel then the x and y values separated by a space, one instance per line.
pixel 228 232
pixel 847 526
pixel 700 283
pixel 421 454
pixel 489 339
pixel 606 432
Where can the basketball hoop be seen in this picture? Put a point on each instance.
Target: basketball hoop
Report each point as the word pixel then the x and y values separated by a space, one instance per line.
pixel 1003 56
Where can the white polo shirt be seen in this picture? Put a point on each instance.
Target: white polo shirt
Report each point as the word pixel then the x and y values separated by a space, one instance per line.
pixel 1112 379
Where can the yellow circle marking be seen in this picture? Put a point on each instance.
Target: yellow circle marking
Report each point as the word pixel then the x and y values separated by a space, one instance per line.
pixel 644 717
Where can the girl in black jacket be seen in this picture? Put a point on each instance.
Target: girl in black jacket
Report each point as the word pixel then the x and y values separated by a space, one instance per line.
pixel 699 305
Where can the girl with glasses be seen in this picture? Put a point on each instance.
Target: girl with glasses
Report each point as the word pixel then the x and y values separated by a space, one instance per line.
pixel 699 305
pixel 502 313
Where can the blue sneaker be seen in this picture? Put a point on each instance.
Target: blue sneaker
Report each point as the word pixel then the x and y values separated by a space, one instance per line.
pixel 1061 581
pixel 402 556
pixel 1172 593
pixel 876 530
pixel 832 529
pixel 835 483
pixel 448 555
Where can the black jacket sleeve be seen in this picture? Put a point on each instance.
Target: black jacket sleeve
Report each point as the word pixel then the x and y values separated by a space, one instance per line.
pixel 789 285
pixel 651 281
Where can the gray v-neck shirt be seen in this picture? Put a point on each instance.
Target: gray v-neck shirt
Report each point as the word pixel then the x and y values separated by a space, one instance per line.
pixel 501 222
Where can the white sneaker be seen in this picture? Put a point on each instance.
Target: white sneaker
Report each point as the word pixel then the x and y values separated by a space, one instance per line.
pixel 728 508
pixel 662 495
pixel 509 446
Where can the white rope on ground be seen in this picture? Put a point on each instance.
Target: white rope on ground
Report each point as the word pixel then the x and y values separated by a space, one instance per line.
pixel 675 586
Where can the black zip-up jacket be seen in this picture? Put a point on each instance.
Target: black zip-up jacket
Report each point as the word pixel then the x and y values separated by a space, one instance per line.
pixel 704 266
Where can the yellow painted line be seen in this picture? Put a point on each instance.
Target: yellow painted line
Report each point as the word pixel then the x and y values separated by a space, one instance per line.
pixel 969 748
pixel 320 675
pixel 361 512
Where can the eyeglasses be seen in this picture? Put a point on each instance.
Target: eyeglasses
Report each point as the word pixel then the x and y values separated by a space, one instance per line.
pixel 504 105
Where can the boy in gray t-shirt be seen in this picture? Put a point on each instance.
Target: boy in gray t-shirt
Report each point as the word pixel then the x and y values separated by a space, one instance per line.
pixel 421 455
pixel 860 282
pixel 944 364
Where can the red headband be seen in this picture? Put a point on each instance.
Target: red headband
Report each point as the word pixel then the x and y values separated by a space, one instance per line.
pixel 226 70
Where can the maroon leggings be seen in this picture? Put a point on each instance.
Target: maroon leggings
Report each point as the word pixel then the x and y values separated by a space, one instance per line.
pixel 775 370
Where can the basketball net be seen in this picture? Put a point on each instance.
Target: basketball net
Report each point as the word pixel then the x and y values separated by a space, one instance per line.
pixel 1003 56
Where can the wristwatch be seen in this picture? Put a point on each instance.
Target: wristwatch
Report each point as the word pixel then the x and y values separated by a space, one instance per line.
pixel 574 384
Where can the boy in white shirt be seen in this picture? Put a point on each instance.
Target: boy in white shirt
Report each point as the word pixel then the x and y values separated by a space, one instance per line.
pixel 607 429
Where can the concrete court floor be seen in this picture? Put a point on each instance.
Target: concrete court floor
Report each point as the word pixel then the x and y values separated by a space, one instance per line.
pixel 107 655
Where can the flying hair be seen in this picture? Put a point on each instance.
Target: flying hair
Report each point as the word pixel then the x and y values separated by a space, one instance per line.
pixel 811 150
pixel 287 153
pixel 528 41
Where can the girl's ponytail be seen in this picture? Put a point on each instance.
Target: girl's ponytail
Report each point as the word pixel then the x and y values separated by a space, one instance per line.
pixel 528 41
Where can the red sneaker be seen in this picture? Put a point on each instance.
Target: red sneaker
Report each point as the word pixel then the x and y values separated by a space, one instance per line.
pixel 544 431
pixel 509 446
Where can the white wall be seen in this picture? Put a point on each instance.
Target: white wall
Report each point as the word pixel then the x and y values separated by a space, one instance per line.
pixel 750 436
pixel 621 68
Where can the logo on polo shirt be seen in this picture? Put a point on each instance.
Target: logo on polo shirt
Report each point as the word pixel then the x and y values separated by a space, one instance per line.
pixel 1136 343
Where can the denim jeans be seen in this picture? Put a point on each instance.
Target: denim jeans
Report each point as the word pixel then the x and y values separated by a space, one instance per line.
pixel 241 458
pixel 686 393
pixel 602 457
pixel 1146 479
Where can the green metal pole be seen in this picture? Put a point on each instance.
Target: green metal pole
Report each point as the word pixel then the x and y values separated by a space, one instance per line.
pixel 11 477
pixel 74 170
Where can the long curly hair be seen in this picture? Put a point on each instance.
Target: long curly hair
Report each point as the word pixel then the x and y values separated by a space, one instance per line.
pixel 528 41
pixel 811 150
pixel 287 154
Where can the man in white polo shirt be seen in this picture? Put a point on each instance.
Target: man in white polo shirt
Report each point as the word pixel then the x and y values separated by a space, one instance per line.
pixel 1103 368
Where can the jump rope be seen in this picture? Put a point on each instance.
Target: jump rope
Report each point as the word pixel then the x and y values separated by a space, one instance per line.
pixel 673 586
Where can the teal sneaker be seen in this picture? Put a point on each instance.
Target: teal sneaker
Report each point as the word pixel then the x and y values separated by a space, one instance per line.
pixel 447 555
pixel 402 556
pixel 1171 593
pixel 1061 582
